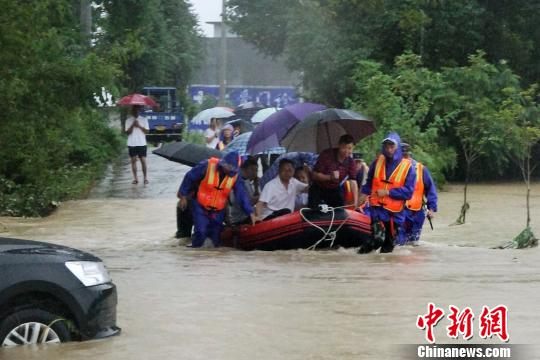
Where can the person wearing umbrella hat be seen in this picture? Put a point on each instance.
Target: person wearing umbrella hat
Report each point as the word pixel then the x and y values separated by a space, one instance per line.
pixel 210 183
pixel 136 127
pixel 390 182
pixel 422 203
pixel 333 168
pixel 225 137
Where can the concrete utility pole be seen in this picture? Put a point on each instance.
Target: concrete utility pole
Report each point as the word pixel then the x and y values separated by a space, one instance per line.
pixel 223 57
pixel 86 22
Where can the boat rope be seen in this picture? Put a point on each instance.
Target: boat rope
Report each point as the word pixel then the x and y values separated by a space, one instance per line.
pixel 328 234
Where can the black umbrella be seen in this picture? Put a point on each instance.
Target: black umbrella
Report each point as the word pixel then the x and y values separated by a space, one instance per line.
pixel 245 126
pixel 247 110
pixel 322 129
pixel 186 153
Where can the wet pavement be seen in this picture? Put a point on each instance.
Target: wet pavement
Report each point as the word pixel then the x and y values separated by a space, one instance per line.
pixel 180 303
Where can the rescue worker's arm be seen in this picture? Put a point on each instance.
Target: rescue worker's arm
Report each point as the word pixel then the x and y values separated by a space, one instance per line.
pixel 192 178
pixel 406 191
pixel 430 190
pixel 366 188
pixel 242 197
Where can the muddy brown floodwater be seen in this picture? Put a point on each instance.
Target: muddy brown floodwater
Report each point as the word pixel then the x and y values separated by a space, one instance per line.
pixel 180 303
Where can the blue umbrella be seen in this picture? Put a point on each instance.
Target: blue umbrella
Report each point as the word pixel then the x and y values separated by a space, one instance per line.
pixel 239 144
pixel 270 132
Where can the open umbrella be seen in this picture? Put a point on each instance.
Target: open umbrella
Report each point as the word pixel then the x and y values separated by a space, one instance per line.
pixel 261 115
pixel 269 133
pixel 239 144
pixel 217 112
pixel 186 153
pixel 247 110
pixel 245 126
pixel 322 129
pixel 137 99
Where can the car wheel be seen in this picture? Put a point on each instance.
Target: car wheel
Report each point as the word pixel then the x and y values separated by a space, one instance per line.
pixel 32 326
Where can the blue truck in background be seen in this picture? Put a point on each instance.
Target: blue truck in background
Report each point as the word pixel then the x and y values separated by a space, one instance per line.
pixel 166 121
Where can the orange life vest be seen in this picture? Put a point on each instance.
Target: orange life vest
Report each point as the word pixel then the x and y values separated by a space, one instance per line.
pixel 348 195
pixel 415 203
pixel 212 195
pixel 396 180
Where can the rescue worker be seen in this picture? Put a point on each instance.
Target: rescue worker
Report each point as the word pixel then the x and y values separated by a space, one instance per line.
pixel 389 184
pixel 423 202
pixel 211 182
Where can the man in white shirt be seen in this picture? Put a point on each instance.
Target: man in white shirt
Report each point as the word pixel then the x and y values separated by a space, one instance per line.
pixel 136 128
pixel 279 194
pixel 211 135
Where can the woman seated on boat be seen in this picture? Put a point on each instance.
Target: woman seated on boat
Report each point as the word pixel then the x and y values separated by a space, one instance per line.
pixel 279 194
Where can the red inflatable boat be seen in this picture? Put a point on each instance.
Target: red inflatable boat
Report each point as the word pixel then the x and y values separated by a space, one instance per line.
pixel 311 229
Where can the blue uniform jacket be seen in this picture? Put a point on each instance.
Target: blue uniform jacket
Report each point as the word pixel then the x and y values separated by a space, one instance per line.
pixel 194 176
pixel 403 193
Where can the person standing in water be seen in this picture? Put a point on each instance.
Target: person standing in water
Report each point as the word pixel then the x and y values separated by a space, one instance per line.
pixel 389 184
pixel 136 128
pixel 422 203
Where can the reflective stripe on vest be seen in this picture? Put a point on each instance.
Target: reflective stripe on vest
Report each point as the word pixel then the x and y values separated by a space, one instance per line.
pixel 417 200
pixel 211 194
pixel 396 180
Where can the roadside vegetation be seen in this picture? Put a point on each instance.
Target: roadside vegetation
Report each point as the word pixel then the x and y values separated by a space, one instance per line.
pixel 55 141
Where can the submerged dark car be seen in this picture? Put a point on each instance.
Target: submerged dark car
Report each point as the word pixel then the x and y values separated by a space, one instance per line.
pixel 52 294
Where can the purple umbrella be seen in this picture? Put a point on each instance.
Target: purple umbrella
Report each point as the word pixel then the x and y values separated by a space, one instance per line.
pixel 270 132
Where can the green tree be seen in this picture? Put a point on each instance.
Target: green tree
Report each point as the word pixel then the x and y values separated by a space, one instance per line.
pixel 156 42
pixel 520 114
pixel 52 139
pixel 410 100
pixel 479 91
pixel 325 39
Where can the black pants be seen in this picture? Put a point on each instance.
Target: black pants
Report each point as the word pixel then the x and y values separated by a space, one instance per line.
pixel 277 213
pixel 383 235
pixel 330 197
pixel 184 221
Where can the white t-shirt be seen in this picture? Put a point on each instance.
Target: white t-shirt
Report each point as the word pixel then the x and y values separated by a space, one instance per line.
pixel 137 136
pixel 277 197
pixel 209 133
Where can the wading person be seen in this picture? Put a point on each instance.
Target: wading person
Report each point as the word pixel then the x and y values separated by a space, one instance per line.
pixel 279 194
pixel 136 128
pixel 333 168
pixel 389 184
pixel 184 221
pixel 422 203
pixel 248 174
pixel 211 181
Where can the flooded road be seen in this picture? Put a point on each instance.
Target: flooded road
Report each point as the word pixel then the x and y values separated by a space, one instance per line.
pixel 180 303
